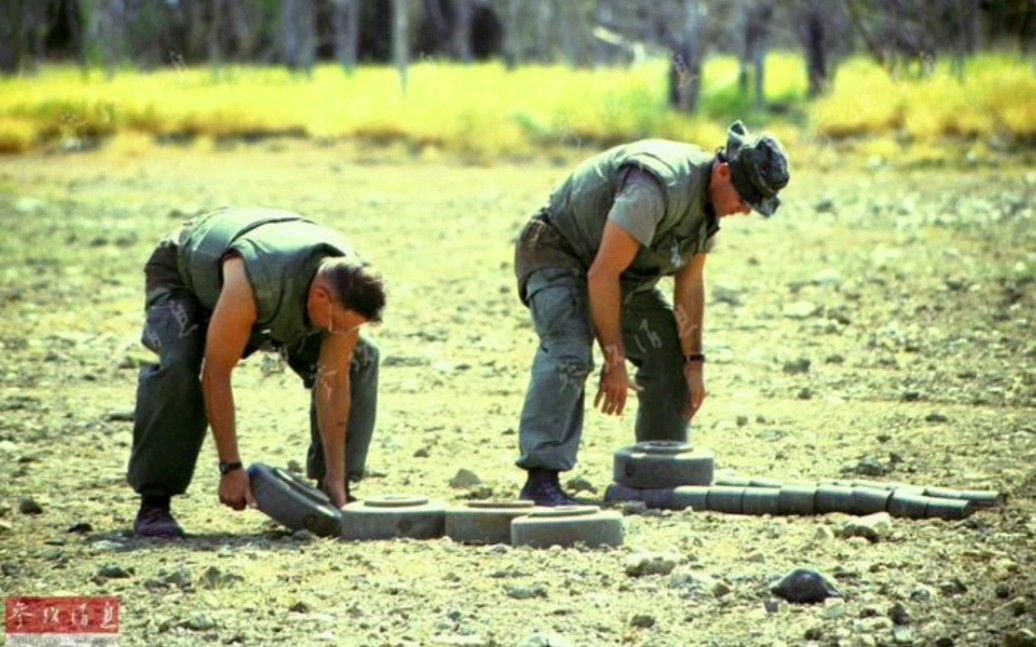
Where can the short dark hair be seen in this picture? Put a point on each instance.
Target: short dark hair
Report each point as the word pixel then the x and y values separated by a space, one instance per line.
pixel 355 286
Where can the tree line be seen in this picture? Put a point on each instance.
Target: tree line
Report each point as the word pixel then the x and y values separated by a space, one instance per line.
pixel 903 35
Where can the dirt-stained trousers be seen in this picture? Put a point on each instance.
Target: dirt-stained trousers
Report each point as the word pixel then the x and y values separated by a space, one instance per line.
pixel 552 418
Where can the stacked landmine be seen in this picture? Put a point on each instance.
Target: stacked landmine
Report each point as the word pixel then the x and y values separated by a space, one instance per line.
pixel 662 464
pixel 291 501
pixel 767 496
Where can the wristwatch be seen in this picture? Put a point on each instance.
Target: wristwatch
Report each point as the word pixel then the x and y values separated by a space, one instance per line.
pixel 227 468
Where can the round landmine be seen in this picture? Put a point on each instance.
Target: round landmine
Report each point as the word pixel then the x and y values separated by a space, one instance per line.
pixel 567 526
pixel 875 485
pixel 907 504
pixel 797 499
pixel 833 498
pixel 761 500
pixel 978 498
pixel 659 498
pixel 868 500
pixel 484 522
pixel 983 498
pixel 392 516
pixel 951 509
pixel 725 498
pixel 942 493
pixel 695 497
pixel 732 480
pixel 293 503
pixel 663 464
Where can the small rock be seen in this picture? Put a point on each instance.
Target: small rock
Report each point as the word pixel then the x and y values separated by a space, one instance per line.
pixel 828 277
pixel 922 594
pixel 772 606
pixel 303 535
pixel 29 506
pixel 106 546
pixel 935 416
pixel 834 608
pixel 119 415
pixel 81 527
pixel 797 367
pixel 180 578
pixel 546 640
pixel 953 587
pixel 639 564
pixel 581 484
pixel 1002 591
pixel 1015 607
pixel 899 614
pixel 299 606
pixel 295 467
pixel 199 622
pixel 214 578
pixel 800 310
pixel 805 586
pixel 824 205
pixel 642 621
pixel 698 583
pixel 114 571
pixel 873 527
pixel 903 635
pixel 5 528
pixel 519 592
pixel 423 452
pixel 823 533
pixel 1020 638
pixel 870 466
pixel 456 641
pixel 464 478
pixel 872 625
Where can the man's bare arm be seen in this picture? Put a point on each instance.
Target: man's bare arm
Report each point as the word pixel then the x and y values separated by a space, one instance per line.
pixel 333 403
pixel 616 253
pixel 689 296
pixel 228 333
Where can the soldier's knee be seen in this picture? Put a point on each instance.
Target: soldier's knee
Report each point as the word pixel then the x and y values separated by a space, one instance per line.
pixel 574 360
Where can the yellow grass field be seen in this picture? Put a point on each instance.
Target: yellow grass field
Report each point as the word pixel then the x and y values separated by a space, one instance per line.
pixel 485 112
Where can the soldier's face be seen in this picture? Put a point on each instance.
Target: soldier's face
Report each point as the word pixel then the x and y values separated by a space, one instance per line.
pixel 341 320
pixel 725 198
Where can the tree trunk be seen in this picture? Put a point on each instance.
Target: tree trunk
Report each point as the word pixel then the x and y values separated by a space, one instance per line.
pixel 347 32
pixel 816 48
pixel 215 20
pixel 513 35
pixel 300 34
pixel 400 40
pixel 460 38
pixel 11 35
pixel 544 13
pixel 686 65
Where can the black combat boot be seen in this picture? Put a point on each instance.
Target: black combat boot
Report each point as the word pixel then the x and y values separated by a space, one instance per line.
pixel 543 488
pixel 155 520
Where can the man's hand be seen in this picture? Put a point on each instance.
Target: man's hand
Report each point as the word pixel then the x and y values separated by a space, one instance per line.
pixel 696 393
pixel 337 490
pixel 615 383
pixel 235 491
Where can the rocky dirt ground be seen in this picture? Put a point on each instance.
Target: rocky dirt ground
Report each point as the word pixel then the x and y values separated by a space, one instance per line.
pixel 882 324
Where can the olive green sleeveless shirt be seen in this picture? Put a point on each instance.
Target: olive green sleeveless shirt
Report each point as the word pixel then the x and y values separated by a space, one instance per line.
pixel 281 252
pixel 580 207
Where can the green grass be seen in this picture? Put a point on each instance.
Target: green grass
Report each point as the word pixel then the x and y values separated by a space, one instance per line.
pixel 486 112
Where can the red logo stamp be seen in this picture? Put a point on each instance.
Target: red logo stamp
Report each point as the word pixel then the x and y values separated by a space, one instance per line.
pixel 69 621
